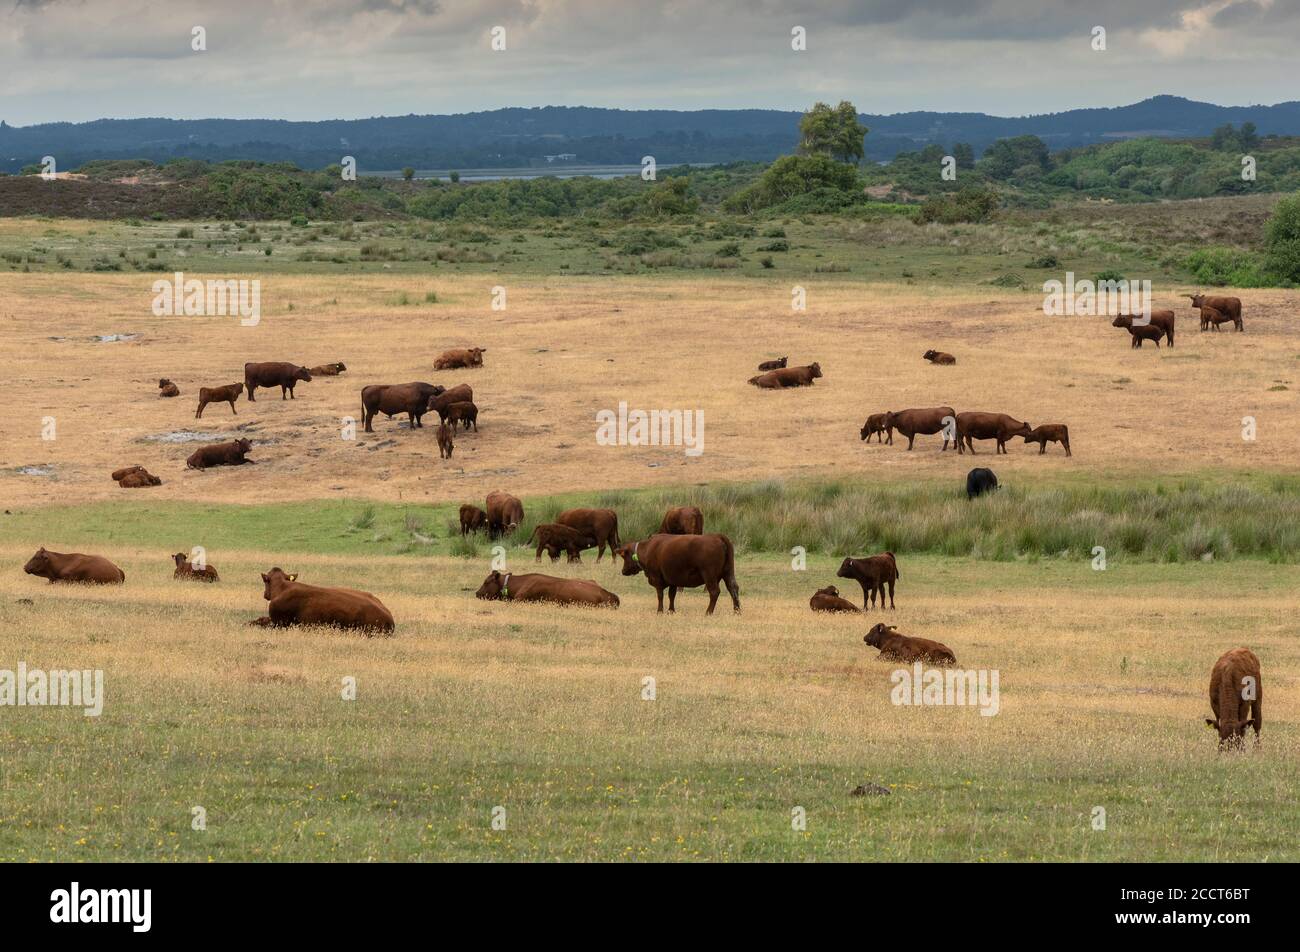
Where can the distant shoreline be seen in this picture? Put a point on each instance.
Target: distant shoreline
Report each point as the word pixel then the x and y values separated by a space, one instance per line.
pixel 563 171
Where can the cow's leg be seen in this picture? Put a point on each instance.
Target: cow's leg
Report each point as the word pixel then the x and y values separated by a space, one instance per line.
pixel 672 598
pixel 1066 443
pixel 199 414
pixel 891 596
pixel 865 591
pixel 714 591
pixel 538 556
pixel 734 591
pixel 232 408
pixel 1042 447
pixel 911 438
pixel 659 590
pixel 251 388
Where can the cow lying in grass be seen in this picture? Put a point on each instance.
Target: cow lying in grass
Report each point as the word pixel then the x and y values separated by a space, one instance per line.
pixel 939 357
pixel 220 454
pixel 532 587
pixel 787 377
pixel 328 370
pixel 896 647
pixel 185 570
pixel 828 600
pixel 1236 697
pixel 774 364
pixel 168 389
pixel 296 603
pixel 73 567
pixel 135 477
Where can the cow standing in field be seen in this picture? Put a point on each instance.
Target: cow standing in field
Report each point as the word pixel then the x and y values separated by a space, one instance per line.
pixel 227 394
pixel 876 425
pixel 828 600
pixel 939 357
pixel 463 412
pixel 168 389
pixel 271 374
pixel 777 364
pixel 874 573
pixel 392 399
pixel 1141 332
pixel 446 440
pixel 73 567
pixel 929 421
pixel 442 402
pixel 988 426
pixel 185 570
pixel 1229 306
pixel 682 520
pixel 1212 317
pixel 533 587
pixel 787 377
pixel 600 524
pixel 1049 433
pixel 472 519
pixel 898 647
pixel 684 561
pixel 505 513
pixel 555 538
pixel 220 454
pixel 457 359
pixel 296 603
pixel 980 481
pixel 1236 697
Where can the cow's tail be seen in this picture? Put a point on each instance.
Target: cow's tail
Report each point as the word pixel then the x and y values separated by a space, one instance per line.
pixel 614 534
pixel 897 574
pixel 532 534
pixel 729 567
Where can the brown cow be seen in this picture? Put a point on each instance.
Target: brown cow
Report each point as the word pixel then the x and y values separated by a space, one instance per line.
pixel 185 569
pixel 828 600
pixel 974 425
pixel 512 587
pixel 463 412
pixel 391 399
pixel 227 394
pixel 1140 332
pixel 1231 306
pixel 773 364
pixel 297 603
pixel 939 357
pixel 915 422
pixel 505 513
pixel 555 538
pixel 787 377
pixel 168 389
pixel 600 524
pixel 876 424
pixel 328 370
pixel 1213 317
pixel 684 561
pixel 1236 697
pixel 682 520
pixel 1049 433
pixel 73 567
pixel 472 519
pixel 274 373
pixel 896 647
pixel 135 477
pixel 874 573
pixel 220 454
pixel 442 401
pixel 455 359
pixel 446 440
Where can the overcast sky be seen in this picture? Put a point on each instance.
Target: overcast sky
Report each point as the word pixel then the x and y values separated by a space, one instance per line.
pixel 73 60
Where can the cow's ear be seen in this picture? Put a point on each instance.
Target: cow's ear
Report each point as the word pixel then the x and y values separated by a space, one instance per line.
pixel 265 578
pixel 293 577
pixel 1211 722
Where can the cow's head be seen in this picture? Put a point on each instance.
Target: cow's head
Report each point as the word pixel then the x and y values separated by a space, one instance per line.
pixel 276 580
pixel 631 564
pixel 783 361
pixel 1230 732
pixel 164 382
pixel 866 430
pixel 1122 320
pixel 179 559
pixel 846 570
pixel 243 445
pixel 816 369
pixel 340 366
pixel 302 373
pixel 492 586
pixel 1024 430
pixel 39 564
pixel 930 355
pixel 1198 300
pixel 829 590
pixel 876 636
pixel 476 355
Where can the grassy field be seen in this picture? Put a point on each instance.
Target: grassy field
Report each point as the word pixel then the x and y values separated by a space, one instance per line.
pixel 473 705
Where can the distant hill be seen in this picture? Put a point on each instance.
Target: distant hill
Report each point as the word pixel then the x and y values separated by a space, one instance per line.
pixel 525 137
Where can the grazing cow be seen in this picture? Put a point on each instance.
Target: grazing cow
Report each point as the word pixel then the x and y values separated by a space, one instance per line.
pixel 1213 317
pixel 980 481
pixel 185 569
pixel 600 524
pixel 512 587
pixel 777 364
pixel 463 412
pixel 446 440
pixel 874 573
pixel 682 520
pixel 1049 433
pixel 135 477
pixel 297 603
pixel 1164 320
pixel 916 422
pixel 828 600
pixel 328 370
pixel 684 561
pixel 1139 332
pixel 505 513
pixel 441 402
pixel 1231 306
pixel 876 424
pixel 73 567
pixel 896 647
pixel 220 454
pixel 168 389
pixel 391 399
pixel 1236 697
pixel 275 373
pixel 455 359
pixel 974 425
pixel 555 538
pixel 787 377
pixel 472 519
pixel 227 394
pixel 939 357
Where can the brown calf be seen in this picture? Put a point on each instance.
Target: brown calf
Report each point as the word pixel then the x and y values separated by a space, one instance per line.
pixel 787 377
pixel 939 357
pixel 896 647
pixel 874 574
pixel 168 389
pixel 463 412
pixel 682 520
pixel 828 600
pixel 220 454
pixel 446 440
pixel 453 359
pixel 876 424
pixel 227 394
pixel 1236 697
pixel 185 569
pixel 472 519
pixel 1049 433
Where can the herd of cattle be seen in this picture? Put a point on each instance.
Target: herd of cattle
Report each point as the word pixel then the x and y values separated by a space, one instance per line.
pixel 1213 312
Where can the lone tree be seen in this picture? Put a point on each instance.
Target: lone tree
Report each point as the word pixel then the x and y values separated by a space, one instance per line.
pixel 408 173
pixel 834 132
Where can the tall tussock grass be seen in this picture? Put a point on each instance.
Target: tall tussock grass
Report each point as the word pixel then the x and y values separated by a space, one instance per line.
pixel 1184 521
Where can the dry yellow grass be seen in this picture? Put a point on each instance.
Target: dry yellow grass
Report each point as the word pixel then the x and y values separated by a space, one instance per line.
pixel 566 348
